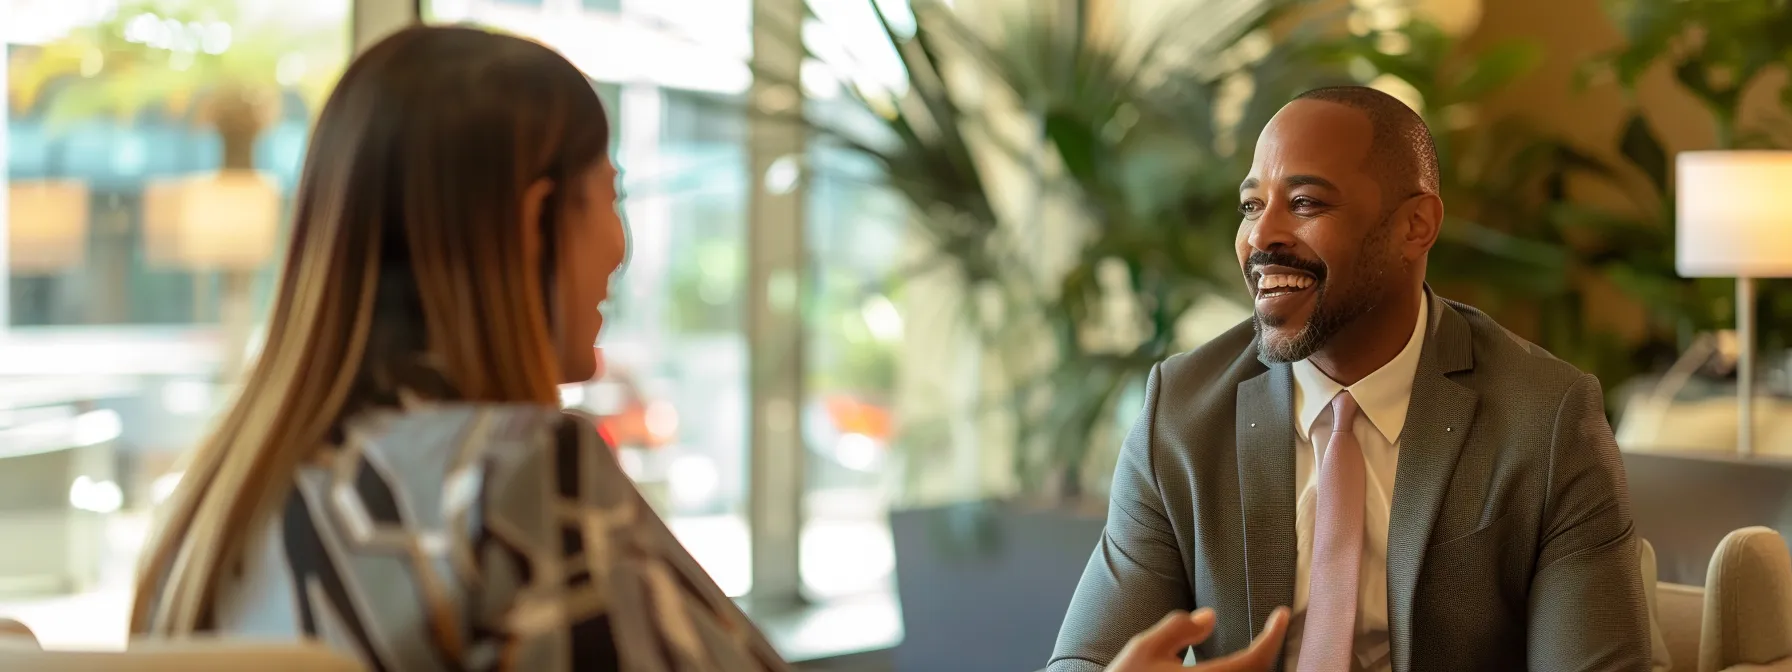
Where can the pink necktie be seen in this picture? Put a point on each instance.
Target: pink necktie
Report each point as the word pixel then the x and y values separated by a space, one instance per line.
pixel 1337 548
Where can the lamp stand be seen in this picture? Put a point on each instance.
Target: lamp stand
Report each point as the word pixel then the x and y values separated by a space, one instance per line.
pixel 1745 367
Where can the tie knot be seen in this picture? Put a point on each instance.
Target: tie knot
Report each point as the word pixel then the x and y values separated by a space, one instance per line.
pixel 1343 411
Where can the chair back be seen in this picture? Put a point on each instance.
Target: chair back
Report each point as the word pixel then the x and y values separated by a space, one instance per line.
pixel 1748 602
pixel 1676 615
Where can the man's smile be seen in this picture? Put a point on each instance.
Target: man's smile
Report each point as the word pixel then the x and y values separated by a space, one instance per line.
pixel 1278 289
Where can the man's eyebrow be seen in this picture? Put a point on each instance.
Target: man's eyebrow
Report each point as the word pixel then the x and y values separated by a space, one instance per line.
pixel 1310 181
pixel 1292 181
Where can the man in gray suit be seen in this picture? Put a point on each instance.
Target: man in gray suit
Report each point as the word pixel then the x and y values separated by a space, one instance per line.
pixel 1477 518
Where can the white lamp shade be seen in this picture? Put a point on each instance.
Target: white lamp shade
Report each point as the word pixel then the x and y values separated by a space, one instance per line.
pixel 227 221
pixel 46 226
pixel 1731 222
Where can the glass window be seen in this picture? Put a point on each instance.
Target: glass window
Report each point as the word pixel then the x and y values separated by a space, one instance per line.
pixel 673 396
pixel 686 209
pixel 128 293
pixel 853 230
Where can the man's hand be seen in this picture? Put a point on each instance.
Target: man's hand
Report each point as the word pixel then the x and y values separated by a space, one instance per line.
pixel 1160 648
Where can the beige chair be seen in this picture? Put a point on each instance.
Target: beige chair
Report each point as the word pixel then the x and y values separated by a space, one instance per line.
pixel 19 650
pixel 11 630
pixel 1676 616
pixel 1748 604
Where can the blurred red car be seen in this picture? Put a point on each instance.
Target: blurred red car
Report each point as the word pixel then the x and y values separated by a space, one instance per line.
pixel 623 413
pixel 853 416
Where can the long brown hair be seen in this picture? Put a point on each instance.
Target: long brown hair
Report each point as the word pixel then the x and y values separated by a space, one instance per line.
pixel 406 271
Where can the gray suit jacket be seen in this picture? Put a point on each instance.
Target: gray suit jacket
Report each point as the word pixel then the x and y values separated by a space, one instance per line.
pixel 1510 545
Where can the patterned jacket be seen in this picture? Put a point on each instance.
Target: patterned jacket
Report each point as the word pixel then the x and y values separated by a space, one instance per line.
pixel 482 537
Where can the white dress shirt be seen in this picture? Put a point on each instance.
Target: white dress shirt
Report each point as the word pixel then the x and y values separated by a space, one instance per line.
pixel 1383 397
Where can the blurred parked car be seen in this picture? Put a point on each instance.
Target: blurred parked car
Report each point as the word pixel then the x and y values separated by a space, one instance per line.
pixel 627 417
pixel 636 425
pixel 851 438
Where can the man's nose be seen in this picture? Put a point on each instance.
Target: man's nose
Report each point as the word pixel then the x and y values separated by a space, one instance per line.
pixel 1271 230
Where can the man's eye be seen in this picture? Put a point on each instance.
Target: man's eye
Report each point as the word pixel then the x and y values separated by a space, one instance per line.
pixel 1248 208
pixel 1305 203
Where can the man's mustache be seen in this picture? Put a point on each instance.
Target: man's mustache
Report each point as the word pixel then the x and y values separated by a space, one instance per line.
pixel 1282 258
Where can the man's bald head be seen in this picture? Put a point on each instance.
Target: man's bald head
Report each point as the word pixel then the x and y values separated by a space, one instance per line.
pixel 1402 155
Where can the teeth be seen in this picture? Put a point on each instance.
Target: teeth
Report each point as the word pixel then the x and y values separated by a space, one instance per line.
pixel 1269 282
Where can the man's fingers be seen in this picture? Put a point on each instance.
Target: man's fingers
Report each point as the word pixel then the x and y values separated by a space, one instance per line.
pixel 1175 632
pixel 1269 642
pixel 1262 651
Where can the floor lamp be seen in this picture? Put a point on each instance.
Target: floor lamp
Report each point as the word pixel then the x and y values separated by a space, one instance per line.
pixel 1731 223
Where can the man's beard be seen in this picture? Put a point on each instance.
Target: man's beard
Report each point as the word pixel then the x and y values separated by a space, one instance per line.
pixel 1329 317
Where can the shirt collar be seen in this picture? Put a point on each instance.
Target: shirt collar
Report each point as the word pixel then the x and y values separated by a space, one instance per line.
pixel 1383 395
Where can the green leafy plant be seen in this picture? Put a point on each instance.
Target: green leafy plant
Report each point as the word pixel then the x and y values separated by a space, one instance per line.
pixel 1516 244
pixel 1716 50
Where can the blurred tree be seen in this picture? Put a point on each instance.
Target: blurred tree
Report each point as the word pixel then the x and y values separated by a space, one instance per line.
pixel 227 64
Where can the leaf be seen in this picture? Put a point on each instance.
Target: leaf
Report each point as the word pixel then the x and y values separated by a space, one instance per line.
pixel 1078 145
pixel 1638 144
pixel 1662 293
pixel 1649 26
pixel 1629 230
pixel 1482 255
pixel 1497 67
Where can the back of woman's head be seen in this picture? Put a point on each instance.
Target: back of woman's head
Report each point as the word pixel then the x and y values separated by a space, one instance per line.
pixel 449 172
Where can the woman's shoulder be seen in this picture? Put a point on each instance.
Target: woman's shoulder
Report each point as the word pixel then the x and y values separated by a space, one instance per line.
pixel 466 427
pixel 443 439
pixel 488 465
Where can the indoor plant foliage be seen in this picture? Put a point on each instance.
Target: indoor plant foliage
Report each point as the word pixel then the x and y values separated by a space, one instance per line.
pixel 1135 141
pixel 1719 52
pixel 1136 144
pixel 1516 243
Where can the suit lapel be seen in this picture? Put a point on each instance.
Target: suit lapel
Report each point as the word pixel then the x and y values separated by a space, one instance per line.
pixel 1437 422
pixel 1265 430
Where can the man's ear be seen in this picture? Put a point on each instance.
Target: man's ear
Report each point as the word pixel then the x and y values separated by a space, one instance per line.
pixel 1424 220
pixel 535 200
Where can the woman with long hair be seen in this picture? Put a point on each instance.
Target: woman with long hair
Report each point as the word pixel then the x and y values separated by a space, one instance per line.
pixel 394 478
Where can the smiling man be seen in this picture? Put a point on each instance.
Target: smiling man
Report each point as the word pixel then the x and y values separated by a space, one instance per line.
pixel 1423 489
